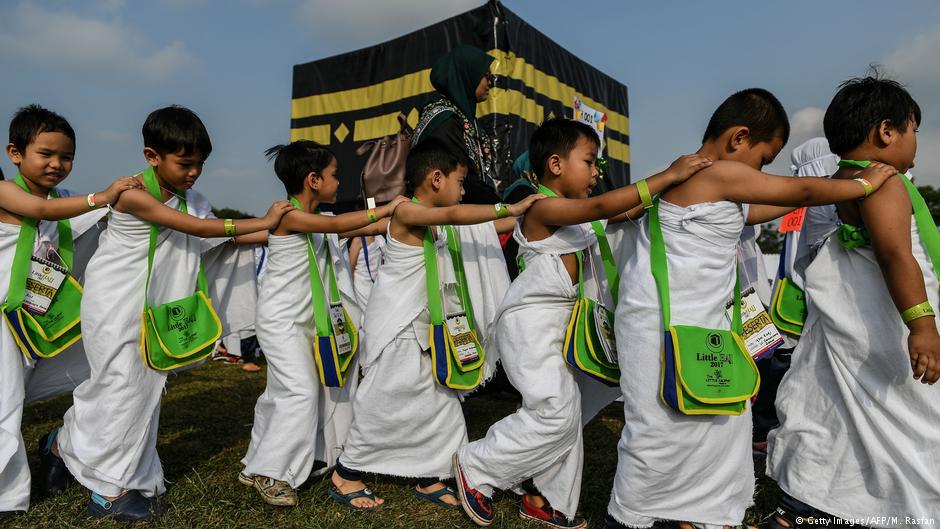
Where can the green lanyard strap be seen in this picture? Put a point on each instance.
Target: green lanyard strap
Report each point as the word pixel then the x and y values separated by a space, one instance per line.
pixel 660 271
pixel 24 250
pixel 321 316
pixel 150 182
pixel 926 227
pixel 432 279
pixel 607 256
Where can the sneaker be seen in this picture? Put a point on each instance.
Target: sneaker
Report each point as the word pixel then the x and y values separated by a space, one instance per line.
pixel 54 476
pixel 275 492
pixel 548 516
pixel 130 506
pixel 476 504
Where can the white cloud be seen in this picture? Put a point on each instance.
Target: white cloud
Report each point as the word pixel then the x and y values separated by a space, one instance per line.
pixel 63 39
pixel 367 22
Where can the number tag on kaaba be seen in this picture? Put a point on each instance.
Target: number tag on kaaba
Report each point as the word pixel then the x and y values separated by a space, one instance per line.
pixel 340 332
pixel 459 328
pixel 42 284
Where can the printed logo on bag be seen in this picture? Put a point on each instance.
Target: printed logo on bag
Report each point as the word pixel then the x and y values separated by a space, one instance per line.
pixel 716 378
pixel 715 343
pixel 187 338
pixel 177 312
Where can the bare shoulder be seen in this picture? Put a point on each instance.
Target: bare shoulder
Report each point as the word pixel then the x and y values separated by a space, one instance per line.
pixel 132 199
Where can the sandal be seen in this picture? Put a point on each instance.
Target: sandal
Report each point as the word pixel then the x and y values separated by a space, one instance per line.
pixel 346 499
pixel 275 492
pixel 435 497
pixel 246 479
pixel 548 516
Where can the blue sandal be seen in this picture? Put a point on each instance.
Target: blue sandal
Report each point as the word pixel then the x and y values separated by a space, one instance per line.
pixel 435 497
pixel 346 499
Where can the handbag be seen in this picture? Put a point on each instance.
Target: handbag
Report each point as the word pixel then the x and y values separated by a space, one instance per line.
pixel 704 371
pixel 788 304
pixel 181 332
pixel 337 339
pixel 383 175
pixel 51 323
pixel 457 357
pixel 590 343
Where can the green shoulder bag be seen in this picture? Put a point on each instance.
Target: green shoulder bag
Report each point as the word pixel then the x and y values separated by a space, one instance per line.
pixel 181 332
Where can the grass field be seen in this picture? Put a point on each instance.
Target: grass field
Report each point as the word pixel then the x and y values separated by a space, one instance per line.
pixel 204 429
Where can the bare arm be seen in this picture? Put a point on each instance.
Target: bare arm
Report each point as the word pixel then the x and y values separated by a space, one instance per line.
pixel 346 223
pixel 258 237
pixel 412 214
pixel 887 218
pixel 761 213
pixel 21 203
pixel 505 225
pixel 376 228
pixel 143 205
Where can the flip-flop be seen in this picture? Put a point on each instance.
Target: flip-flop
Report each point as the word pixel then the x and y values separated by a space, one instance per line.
pixel 435 497
pixel 346 499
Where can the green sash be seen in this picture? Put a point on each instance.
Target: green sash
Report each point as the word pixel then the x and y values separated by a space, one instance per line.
pixel 926 227
pixel 448 368
pixel 332 364
pixel 48 334
pixel 704 371
pixel 590 344
pixel 181 332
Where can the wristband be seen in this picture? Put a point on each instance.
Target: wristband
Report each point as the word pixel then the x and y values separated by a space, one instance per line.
pixel 917 311
pixel 644 190
pixel 502 210
pixel 371 213
pixel 90 200
pixel 229 227
pixel 869 189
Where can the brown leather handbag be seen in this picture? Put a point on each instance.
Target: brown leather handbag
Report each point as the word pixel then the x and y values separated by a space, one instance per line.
pixel 383 175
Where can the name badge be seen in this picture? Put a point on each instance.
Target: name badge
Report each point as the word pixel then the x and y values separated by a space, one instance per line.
pixel 760 334
pixel 340 334
pixel 604 324
pixel 42 284
pixel 459 328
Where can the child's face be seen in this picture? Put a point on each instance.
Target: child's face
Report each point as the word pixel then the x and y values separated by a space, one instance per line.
pixel 47 160
pixel 904 148
pixel 180 172
pixel 755 155
pixel 327 183
pixel 578 170
pixel 450 189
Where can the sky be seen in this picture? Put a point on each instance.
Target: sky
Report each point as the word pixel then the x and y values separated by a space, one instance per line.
pixel 105 64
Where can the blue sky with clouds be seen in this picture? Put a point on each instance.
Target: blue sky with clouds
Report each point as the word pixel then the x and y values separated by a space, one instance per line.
pixel 105 64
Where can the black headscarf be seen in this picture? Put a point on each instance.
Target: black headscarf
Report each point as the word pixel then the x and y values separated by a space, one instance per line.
pixel 457 75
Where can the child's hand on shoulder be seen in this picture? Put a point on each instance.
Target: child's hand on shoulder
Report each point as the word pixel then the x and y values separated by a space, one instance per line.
pixel 119 186
pixel 277 211
pixel 395 203
pixel 520 207
pixel 686 166
pixel 876 174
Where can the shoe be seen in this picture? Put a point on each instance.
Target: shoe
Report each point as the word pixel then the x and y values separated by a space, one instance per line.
pixel 477 506
pixel 548 516
pixel 275 492
pixel 246 479
pixel 54 476
pixel 131 506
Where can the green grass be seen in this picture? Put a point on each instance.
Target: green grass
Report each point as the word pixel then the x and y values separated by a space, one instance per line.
pixel 204 431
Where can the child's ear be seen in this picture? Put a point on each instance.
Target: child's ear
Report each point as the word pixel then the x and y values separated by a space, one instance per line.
pixel 437 179
pixel 886 132
pixel 554 164
pixel 740 137
pixel 151 156
pixel 14 154
pixel 313 180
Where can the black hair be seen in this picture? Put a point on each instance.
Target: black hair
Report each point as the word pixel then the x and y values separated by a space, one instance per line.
pixel 754 108
pixel 860 105
pixel 294 161
pixel 557 136
pixel 427 156
pixel 1 174
pixel 172 129
pixel 32 120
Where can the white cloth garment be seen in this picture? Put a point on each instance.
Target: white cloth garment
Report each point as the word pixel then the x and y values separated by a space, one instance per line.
pixel 368 262
pixel 811 158
pixel 404 423
pixel 15 370
pixel 109 439
pixel 672 466
pixel 542 440
pixel 859 437
pixel 297 419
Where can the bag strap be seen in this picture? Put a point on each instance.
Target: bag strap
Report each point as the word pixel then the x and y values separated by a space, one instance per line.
pixel 660 270
pixel 321 316
pixel 365 254
pixel 150 182
pixel 607 256
pixel 926 227
pixel 25 242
